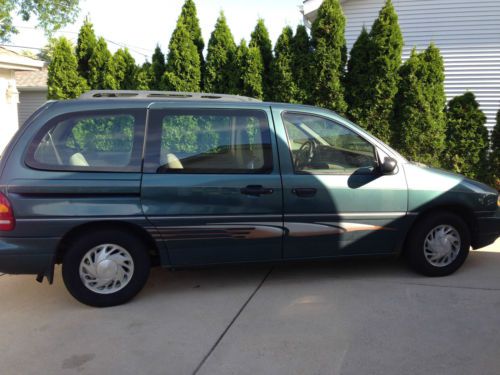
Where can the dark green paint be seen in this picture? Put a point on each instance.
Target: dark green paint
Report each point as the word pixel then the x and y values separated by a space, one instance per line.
pixel 200 219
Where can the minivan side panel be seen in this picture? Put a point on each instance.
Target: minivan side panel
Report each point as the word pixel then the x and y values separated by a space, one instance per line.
pixel 348 214
pixel 206 217
pixel 46 209
pixel 52 205
pixel 431 188
pixel 49 204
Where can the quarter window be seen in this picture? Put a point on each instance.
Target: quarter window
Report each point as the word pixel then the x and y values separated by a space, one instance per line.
pixel 212 141
pixel 90 141
pixel 321 146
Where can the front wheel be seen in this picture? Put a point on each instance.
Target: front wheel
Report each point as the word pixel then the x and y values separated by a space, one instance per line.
pixel 438 244
pixel 106 268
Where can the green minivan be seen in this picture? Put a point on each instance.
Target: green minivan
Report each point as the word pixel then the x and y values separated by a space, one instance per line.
pixel 116 182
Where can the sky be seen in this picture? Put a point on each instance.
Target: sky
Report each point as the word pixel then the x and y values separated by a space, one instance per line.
pixel 140 25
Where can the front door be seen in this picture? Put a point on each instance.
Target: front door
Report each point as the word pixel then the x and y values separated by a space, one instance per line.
pixel 212 187
pixel 336 202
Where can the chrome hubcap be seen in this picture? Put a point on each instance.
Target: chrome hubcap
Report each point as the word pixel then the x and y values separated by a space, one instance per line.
pixel 442 245
pixel 106 268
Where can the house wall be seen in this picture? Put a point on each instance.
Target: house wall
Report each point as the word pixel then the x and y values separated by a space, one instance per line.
pixel 466 31
pixel 8 108
pixel 29 102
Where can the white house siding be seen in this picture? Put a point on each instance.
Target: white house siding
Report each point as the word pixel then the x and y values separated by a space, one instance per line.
pixel 466 31
pixel 10 62
pixel 29 102
pixel 8 108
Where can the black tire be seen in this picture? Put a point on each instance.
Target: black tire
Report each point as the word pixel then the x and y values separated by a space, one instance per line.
pixel 82 244
pixel 414 249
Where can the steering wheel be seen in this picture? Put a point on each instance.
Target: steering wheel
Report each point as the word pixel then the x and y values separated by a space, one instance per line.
pixel 305 154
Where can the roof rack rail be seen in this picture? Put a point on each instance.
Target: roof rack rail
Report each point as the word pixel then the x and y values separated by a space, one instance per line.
pixel 166 95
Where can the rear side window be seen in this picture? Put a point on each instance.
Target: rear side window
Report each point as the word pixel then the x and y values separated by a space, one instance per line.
pixel 210 141
pixel 91 141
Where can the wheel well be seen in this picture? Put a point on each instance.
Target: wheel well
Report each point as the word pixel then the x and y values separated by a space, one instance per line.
pixel 461 211
pixel 108 225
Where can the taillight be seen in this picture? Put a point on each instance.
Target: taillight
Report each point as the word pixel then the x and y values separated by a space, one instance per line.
pixel 7 220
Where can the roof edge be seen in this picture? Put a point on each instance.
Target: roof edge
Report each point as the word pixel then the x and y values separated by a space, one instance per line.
pixel 172 95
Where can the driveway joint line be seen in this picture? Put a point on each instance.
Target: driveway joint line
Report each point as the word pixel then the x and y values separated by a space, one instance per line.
pixel 454 287
pixel 214 346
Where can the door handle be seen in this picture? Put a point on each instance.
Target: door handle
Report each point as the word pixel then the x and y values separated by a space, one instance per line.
pixel 304 192
pixel 256 190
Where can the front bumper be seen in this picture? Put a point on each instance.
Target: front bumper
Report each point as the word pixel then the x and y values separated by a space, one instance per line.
pixel 487 230
pixel 27 255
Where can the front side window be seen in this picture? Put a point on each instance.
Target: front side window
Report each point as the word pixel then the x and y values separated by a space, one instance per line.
pixel 91 142
pixel 321 146
pixel 212 141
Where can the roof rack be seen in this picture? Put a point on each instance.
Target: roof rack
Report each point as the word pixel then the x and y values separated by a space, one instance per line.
pixel 166 95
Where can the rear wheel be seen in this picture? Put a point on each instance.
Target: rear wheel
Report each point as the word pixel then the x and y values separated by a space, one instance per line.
pixel 106 268
pixel 438 244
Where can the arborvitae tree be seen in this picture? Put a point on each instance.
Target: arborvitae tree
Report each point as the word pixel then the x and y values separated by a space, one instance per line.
pixel 357 77
pixel 189 18
pixel 124 70
pixel 284 88
pixel 386 46
pixel 143 79
pixel 221 73
pixel 241 60
pixel 372 78
pixel 85 46
pixel 260 39
pixel 329 56
pixel 494 159
pixel 63 81
pixel 183 63
pixel 409 99
pixel 301 64
pixel 144 76
pixel 419 119
pixel 101 76
pixel 250 70
pixel 434 79
pixel 157 69
pixel 466 137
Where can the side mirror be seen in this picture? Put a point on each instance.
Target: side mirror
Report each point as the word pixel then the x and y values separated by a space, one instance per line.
pixel 388 166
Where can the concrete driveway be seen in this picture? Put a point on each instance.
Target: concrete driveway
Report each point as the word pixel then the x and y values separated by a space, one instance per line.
pixel 348 317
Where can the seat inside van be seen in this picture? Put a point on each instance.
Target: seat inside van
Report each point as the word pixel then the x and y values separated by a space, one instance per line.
pixel 78 160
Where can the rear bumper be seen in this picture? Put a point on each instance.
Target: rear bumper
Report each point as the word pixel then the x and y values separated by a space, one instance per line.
pixel 27 255
pixel 487 230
